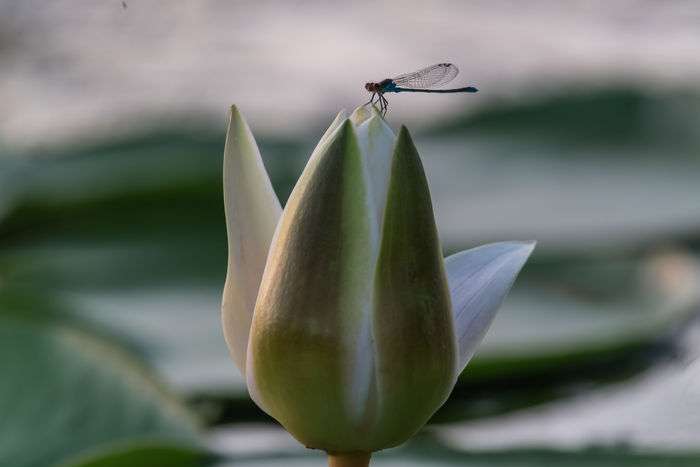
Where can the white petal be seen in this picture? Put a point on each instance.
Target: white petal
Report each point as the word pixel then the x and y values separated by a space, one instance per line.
pixel 479 280
pixel 252 211
pixel 360 114
pixel 310 318
pixel 412 324
pixel 325 140
pixel 376 141
pixel 335 124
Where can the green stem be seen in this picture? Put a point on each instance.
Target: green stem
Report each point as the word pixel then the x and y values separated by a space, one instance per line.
pixel 352 459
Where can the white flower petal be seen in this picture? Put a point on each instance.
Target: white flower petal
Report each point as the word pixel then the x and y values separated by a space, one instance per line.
pixel 360 114
pixel 311 314
pixel 479 280
pixel 252 212
pixel 335 124
pixel 414 338
pixel 376 141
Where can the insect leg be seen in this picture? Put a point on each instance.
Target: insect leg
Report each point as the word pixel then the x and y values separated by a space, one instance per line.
pixel 386 104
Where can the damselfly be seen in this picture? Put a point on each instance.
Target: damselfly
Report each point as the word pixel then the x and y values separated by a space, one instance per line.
pixel 418 81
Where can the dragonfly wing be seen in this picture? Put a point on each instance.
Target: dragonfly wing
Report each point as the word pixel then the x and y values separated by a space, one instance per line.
pixel 428 77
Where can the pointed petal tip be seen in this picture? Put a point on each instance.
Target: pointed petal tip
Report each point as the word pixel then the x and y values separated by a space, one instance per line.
pixel 341 116
pixel 376 112
pixel 236 119
pixel 360 114
pixel 528 245
pixel 234 112
pixel 479 280
pixel 522 252
pixel 345 129
pixel 377 121
pixel 344 134
pixel 404 141
pixel 516 249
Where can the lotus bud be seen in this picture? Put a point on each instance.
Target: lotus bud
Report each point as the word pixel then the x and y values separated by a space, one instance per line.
pixel 349 326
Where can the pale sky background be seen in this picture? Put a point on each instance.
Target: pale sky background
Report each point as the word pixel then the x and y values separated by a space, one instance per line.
pixel 77 68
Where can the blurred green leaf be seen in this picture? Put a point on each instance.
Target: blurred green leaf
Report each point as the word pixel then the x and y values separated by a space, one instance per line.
pixel 140 455
pixel 64 389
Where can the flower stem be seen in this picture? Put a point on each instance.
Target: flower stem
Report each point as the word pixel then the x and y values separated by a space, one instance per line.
pixel 352 459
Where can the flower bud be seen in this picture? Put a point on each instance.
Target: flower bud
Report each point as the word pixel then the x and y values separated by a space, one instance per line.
pixel 359 328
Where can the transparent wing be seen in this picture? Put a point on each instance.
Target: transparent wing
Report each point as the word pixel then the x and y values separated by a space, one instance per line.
pixel 435 75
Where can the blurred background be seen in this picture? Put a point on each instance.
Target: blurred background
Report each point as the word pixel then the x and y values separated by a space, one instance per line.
pixel 584 136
